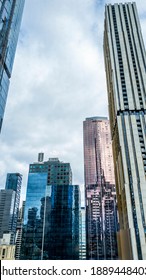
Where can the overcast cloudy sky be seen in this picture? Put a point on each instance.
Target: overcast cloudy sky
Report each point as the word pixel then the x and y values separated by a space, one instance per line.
pixel 58 80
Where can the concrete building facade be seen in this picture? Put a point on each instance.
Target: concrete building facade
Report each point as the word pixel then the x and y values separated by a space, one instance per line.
pixel 125 63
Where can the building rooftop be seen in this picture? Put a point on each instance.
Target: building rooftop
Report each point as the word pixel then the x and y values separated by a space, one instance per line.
pixel 97 118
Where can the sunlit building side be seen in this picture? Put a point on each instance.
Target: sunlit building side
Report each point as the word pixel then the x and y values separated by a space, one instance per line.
pixel 100 195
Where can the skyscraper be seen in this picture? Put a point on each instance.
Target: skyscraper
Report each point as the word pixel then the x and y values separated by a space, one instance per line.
pixel 19 231
pixel 14 182
pixel 100 196
pixel 125 61
pixel 62 239
pixel 51 217
pixel 7 207
pixel 10 19
pixel 9 204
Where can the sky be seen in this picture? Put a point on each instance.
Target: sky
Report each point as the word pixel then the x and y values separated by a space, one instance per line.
pixel 58 80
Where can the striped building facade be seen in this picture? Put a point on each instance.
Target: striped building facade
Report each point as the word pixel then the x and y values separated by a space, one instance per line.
pixel 125 62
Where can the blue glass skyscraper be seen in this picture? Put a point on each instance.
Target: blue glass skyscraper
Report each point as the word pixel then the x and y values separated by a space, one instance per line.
pixel 7 206
pixel 10 19
pixel 51 216
pixel 14 182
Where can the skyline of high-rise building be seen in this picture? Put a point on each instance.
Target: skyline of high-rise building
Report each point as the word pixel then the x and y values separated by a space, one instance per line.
pixel 125 62
pixel 10 20
pixel 100 195
pixel 54 223
pixel 51 216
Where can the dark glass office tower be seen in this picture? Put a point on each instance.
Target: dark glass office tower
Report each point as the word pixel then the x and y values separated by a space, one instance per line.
pixel 51 218
pixel 10 19
pixel 62 243
pixel 125 61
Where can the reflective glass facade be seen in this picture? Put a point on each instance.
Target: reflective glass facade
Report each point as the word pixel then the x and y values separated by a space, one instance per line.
pixel 7 210
pixel 63 242
pixel 125 61
pixel 10 19
pixel 51 218
pixel 14 182
pixel 100 195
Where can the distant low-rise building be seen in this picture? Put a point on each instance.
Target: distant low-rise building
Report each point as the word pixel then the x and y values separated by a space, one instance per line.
pixel 7 250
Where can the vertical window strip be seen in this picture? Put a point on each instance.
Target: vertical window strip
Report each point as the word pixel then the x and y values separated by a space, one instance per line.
pixel 137 174
pixel 140 40
pixel 112 40
pixel 136 229
pixel 127 16
pixel 120 60
pixel 141 139
pixel 137 58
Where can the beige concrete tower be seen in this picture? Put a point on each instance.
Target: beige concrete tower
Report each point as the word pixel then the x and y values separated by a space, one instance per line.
pixel 125 62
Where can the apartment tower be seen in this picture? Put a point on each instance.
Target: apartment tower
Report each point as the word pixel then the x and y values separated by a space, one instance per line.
pixel 125 62
pixel 100 195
